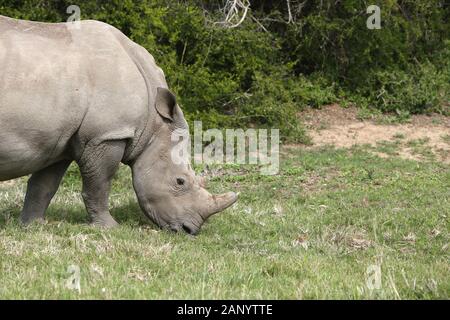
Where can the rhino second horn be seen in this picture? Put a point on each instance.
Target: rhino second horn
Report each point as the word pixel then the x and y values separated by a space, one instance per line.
pixel 203 182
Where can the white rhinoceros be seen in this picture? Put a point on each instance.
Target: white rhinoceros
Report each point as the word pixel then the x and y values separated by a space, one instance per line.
pixel 89 94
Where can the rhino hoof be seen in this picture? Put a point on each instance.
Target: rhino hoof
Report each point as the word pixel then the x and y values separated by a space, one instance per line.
pixel 30 221
pixel 104 222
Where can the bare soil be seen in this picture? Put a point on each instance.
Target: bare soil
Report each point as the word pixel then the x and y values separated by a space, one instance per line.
pixel 421 138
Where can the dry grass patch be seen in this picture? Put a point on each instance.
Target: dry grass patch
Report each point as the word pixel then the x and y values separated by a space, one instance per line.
pixel 342 128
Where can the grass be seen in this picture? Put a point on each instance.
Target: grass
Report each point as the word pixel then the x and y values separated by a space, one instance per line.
pixel 388 147
pixel 446 138
pixel 419 146
pixel 383 118
pixel 313 231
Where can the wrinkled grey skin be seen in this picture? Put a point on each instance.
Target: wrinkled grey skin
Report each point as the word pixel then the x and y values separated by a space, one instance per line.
pixel 93 96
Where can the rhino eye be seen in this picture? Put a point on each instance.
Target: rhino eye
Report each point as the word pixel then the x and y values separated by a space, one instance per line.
pixel 180 181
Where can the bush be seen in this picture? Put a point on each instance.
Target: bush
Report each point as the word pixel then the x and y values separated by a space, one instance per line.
pixel 425 89
pixel 403 66
pixel 262 76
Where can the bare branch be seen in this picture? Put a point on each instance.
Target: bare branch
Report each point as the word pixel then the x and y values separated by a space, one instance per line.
pixel 290 18
pixel 235 12
pixel 299 8
pixel 259 23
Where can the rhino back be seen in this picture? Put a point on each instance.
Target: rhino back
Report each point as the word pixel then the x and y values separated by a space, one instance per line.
pixel 58 83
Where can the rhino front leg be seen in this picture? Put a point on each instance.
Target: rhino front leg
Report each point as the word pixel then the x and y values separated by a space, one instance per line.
pixel 98 165
pixel 41 188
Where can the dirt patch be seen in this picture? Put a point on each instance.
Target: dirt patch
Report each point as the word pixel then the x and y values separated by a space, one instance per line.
pixel 423 137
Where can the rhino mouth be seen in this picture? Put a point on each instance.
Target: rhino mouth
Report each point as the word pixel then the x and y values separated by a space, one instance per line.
pixel 190 228
pixel 185 227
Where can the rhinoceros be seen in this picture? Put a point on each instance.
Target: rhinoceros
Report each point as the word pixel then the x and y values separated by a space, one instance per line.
pixel 89 94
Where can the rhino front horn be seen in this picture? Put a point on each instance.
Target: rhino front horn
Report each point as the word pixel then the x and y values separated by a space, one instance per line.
pixel 220 203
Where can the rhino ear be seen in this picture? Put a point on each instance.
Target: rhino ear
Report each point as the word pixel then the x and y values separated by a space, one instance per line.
pixel 166 104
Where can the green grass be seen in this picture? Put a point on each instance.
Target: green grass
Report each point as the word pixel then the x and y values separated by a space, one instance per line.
pixel 388 147
pixel 379 117
pixel 446 138
pixel 420 147
pixel 310 232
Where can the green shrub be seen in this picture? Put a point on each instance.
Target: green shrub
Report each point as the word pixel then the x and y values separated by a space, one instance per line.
pixel 262 76
pixel 425 89
pixel 401 67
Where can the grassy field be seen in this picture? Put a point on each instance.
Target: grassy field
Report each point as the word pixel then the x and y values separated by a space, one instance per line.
pixel 316 230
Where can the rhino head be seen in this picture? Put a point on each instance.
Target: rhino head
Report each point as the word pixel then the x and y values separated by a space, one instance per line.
pixel 168 191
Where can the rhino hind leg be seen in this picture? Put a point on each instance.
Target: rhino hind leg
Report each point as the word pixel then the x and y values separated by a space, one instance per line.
pixel 98 165
pixel 41 188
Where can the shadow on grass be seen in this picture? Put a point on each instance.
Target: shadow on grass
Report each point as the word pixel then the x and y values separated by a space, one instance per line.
pixel 126 214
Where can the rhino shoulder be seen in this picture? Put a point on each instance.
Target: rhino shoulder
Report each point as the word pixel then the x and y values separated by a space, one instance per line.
pixel 142 57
